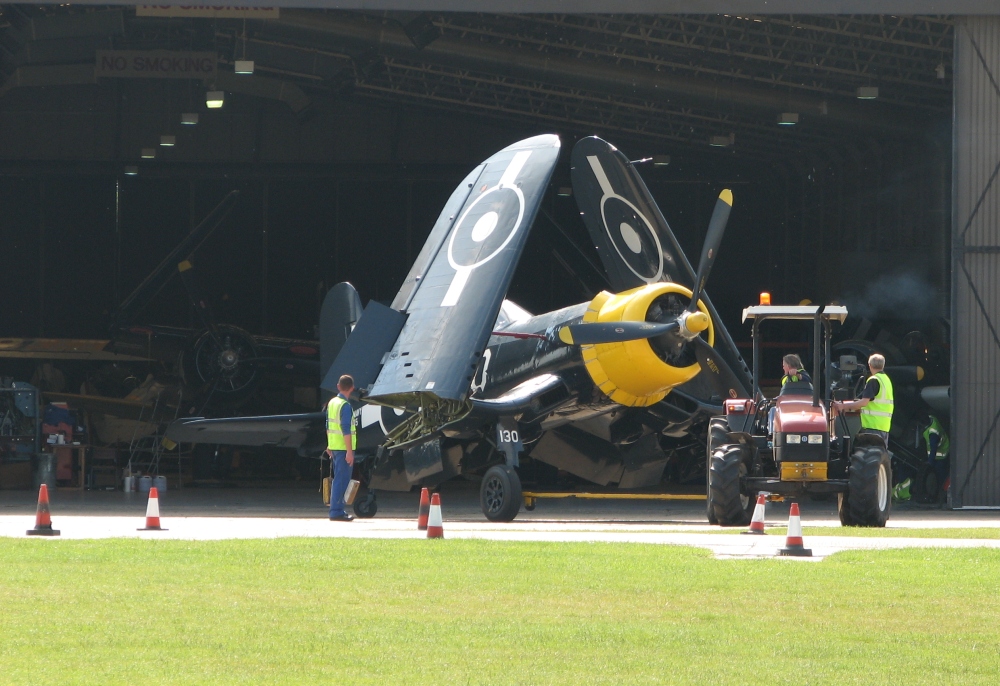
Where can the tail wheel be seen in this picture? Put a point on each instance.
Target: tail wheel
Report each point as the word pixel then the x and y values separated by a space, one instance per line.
pixel 731 507
pixel 500 494
pixel 869 489
pixel 367 507
pixel 718 427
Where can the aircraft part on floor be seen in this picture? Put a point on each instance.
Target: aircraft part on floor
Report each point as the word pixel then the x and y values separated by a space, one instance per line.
pixel 644 463
pixel 581 454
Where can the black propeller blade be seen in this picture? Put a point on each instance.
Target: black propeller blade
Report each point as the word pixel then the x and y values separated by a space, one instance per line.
pixel 612 332
pixel 722 378
pixel 198 300
pixel 716 228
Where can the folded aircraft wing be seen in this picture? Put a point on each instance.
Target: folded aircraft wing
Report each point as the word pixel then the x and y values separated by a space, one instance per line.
pixel 633 239
pixel 452 296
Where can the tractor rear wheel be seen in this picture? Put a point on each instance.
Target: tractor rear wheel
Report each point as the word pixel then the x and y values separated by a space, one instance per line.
pixel 731 507
pixel 869 489
pixel 718 427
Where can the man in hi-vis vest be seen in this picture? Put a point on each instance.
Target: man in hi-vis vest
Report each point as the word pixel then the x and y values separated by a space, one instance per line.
pixel 341 440
pixel 875 402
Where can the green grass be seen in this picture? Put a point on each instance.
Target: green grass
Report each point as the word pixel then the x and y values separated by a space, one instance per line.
pixel 311 611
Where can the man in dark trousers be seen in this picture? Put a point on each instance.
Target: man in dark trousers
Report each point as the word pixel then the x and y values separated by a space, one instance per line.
pixel 876 401
pixel 341 440
pixel 938 446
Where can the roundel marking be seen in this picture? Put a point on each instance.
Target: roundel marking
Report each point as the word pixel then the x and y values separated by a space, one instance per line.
pixel 484 226
pixel 489 208
pixel 630 237
pixel 620 210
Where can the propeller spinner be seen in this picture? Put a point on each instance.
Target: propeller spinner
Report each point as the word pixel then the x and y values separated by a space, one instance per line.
pixel 683 328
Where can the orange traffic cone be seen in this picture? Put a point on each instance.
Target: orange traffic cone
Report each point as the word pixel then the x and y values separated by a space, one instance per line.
pixel 793 541
pixel 153 512
pixel 425 507
pixel 43 519
pixel 757 523
pixel 435 527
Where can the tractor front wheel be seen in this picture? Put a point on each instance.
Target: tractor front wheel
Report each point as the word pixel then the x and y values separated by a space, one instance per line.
pixel 869 489
pixel 718 427
pixel 731 507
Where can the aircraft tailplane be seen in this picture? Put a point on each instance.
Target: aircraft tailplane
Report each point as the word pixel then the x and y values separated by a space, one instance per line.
pixel 337 318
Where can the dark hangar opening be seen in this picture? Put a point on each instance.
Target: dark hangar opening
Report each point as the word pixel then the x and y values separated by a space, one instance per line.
pixel 834 133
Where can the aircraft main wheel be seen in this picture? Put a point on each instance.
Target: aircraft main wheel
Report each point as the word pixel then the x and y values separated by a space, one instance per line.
pixel 869 488
pixel 366 509
pixel 717 429
pixel 500 494
pixel 731 507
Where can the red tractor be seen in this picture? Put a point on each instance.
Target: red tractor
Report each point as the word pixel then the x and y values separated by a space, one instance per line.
pixel 794 444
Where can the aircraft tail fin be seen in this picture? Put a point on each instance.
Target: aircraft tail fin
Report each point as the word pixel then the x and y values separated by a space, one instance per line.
pixel 340 313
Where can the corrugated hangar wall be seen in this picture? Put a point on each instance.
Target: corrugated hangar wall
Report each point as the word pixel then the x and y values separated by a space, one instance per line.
pixel 975 404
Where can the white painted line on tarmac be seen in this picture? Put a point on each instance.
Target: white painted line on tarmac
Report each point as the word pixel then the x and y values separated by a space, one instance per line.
pixel 228 528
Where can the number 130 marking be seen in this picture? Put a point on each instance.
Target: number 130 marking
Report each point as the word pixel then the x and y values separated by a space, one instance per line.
pixel 508 436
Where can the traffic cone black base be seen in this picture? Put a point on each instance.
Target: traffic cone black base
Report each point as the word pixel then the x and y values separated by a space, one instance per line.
pixel 43 519
pixel 793 541
pixel 153 512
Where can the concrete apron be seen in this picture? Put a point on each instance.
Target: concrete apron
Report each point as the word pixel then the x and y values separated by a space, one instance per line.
pixel 722 545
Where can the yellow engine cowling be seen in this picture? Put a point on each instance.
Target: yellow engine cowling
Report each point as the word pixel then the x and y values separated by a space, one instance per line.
pixel 631 373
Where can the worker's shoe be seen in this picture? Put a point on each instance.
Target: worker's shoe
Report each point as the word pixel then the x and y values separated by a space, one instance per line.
pixel 342 518
pixel 901 493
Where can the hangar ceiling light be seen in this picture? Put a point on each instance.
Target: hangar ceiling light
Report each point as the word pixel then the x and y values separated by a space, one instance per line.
pixel 189 118
pixel 168 141
pixel 788 119
pixel 661 160
pixel 867 92
pixel 214 99
pixel 722 141
pixel 148 153
pixel 131 170
pixel 244 67
pixel 564 191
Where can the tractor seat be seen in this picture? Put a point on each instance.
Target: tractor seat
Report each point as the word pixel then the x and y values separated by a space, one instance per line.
pixel 797 388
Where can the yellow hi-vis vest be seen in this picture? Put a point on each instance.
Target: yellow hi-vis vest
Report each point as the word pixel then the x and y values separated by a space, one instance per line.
pixel 877 414
pixel 794 378
pixel 334 431
pixel 944 445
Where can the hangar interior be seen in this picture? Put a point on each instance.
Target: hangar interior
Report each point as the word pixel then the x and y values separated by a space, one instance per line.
pixel 835 134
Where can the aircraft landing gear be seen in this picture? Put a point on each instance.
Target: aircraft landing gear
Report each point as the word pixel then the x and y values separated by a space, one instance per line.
pixel 500 494
pixel 365 508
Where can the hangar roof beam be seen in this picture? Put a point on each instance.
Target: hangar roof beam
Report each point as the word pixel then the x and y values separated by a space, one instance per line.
pixel 390 39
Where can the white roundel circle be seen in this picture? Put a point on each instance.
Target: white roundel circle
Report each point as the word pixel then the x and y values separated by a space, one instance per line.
pixel 630 237
pixel 484 227
pixel 633 238
pixel 504 228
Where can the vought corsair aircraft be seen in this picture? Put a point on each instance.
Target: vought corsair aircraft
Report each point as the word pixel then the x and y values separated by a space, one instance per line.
pixel 455 380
